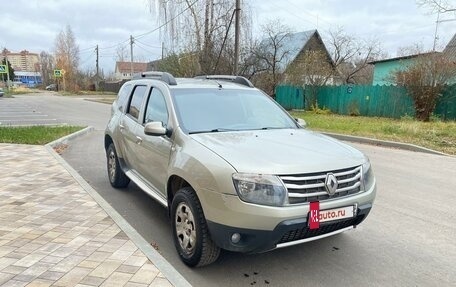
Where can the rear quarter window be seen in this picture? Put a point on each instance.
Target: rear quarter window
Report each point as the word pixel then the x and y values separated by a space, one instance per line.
pixel 122 97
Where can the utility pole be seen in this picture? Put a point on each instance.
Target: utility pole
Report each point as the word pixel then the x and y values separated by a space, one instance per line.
pixel 436 37
pixel 131 55
pixel 97 77
pixel 236 36
pixel 96 51
pixel 163 50
pixel 436 28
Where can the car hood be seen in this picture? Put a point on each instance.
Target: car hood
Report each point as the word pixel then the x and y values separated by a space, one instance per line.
pixel 280 151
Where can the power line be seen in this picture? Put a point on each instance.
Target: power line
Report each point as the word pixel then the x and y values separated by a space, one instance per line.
pixel 151 46
pixel 317 17
pixel 114 46
pixel 143 34
pixel 87 59
pixel 167 22
pixel 87 49
pixel 291 13
pixel 145 49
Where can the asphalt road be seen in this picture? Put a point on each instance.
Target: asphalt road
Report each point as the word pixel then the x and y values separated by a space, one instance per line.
pixel 407 240
pixel 46 108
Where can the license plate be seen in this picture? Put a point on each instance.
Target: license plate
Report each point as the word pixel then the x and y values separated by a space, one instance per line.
pixel 336 213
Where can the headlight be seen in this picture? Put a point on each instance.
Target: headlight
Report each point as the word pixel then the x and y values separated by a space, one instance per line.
pixel 368 175
pixel 260 189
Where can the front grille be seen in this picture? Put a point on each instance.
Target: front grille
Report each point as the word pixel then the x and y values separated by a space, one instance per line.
pixel 303 233
pixel 310 187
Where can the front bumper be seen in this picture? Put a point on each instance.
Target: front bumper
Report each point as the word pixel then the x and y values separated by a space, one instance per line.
pixel 288 232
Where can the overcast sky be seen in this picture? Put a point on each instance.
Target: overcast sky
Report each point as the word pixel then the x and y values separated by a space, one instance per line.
pixel 34 24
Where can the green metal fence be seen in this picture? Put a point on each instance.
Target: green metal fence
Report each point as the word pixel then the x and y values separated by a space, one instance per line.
pixel 290 97
pixel 446 106
pixel 379 101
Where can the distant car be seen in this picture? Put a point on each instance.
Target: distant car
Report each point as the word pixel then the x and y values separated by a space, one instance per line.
pixel 51 87
pixel 1 92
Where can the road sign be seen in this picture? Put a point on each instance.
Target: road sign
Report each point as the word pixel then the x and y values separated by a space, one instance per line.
pixel 3 69
pixel 58 73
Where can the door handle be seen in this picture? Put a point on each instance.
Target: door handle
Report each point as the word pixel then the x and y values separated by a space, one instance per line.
pixel 139 140
pixel 121 127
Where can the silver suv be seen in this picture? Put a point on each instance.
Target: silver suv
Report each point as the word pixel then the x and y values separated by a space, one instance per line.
pixel 234 169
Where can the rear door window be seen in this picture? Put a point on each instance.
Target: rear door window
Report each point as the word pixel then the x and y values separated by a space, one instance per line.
pixel 136 101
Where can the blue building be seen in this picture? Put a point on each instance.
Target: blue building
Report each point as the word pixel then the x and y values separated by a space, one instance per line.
pixel 29 79
pixel 384 70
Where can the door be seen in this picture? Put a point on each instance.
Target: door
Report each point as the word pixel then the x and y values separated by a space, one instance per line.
pixel 155 150
pixel 130 124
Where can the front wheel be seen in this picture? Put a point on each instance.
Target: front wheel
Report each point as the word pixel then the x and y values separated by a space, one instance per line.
pixel 190 232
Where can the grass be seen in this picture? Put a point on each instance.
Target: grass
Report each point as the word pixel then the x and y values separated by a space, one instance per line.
pixel 103 100
pixel 35 135
pixel 18 91
pixel 87 93
pixel 440 136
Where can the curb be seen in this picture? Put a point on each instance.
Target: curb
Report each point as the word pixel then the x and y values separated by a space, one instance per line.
pixel 66 139
pixel 156 258
pixel 391 144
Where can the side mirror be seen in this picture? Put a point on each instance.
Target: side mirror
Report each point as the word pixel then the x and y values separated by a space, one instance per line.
pixel 154 129
pixel 302 123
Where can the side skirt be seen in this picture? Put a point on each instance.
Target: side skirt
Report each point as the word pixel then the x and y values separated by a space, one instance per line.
pixel 152 191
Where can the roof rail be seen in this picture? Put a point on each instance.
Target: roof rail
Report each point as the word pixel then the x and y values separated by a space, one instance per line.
pixel 235 79
pixel 162 76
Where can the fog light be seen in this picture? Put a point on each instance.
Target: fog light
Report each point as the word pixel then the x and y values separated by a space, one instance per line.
pixel 235 238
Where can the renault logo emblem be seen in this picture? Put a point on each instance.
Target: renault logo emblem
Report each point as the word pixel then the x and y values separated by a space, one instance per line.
pixel 331 183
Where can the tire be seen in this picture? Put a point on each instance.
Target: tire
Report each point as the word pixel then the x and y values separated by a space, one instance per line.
pixel 116 176
pixel 190 233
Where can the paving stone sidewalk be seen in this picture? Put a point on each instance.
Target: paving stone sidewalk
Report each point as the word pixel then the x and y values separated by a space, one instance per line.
pixel 52 233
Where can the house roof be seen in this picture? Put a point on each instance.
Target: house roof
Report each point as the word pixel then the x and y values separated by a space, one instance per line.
pixel 293 43
pixel 450 49
pixel 402 57
pixel 125 67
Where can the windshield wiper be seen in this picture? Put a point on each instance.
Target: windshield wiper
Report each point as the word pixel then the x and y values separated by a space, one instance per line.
pixel 218 130
pixel 272 128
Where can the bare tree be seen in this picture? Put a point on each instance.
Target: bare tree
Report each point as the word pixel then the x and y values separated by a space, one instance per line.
pixel 425 79
pixel 266 63
pixel 413 49
pixel 180 65
pixel 121 53
pixel 437 6
pixel 351 56
pixel 47 64
pixel 314 69
pixel 311 68
pixel 67 57
pixel 250 64
pixel 205 27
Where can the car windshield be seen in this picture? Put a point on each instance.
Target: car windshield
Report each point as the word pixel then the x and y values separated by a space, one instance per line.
pixel 220 110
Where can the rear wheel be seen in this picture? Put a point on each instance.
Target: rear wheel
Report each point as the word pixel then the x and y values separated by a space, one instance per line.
pixel 191 235
pixel 116 176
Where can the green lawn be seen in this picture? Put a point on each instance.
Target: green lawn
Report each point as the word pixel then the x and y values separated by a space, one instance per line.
pixel 108 101
pixel 440 136
pixel 36 135
pixel 87 93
